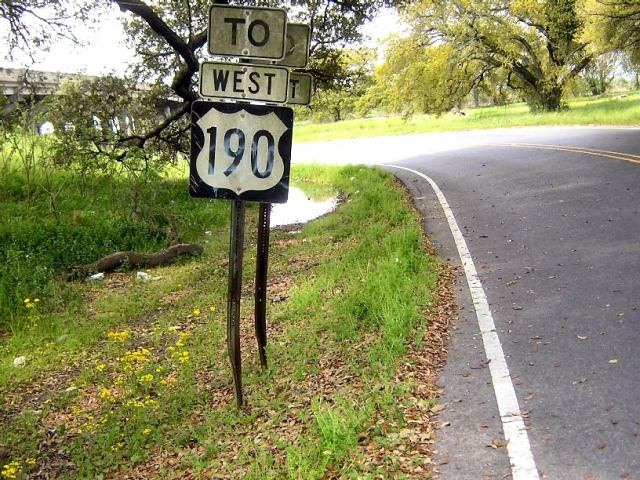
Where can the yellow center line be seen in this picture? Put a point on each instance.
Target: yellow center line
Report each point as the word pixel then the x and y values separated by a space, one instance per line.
pixel 627 157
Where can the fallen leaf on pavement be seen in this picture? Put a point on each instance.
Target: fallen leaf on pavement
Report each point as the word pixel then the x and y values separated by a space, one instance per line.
pixel 498 444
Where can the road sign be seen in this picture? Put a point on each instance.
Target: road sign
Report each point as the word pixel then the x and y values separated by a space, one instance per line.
pixel 249 32
pixel 244 82
pixel 300 87
pixel 297 43
pixel 298 39
pixel 240 151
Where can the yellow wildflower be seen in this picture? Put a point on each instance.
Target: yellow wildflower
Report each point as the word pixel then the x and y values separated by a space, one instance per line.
pixel 30 461
pixel 105 394
pixel 184 358
pixel 11 470
pixel 146 432
pixel 134 403
pixel 212 308
pixel 148 378
pixel 119 337
pixel 101 367
pixel 179 343
pixel 196 312
pixel 135 358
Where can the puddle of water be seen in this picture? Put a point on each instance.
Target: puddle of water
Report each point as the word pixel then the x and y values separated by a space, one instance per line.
pixel 300 209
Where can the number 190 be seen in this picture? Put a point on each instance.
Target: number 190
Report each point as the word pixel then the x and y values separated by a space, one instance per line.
pixel 237 155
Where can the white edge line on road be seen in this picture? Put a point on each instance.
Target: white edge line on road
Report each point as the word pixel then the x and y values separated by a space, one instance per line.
pixel 523 466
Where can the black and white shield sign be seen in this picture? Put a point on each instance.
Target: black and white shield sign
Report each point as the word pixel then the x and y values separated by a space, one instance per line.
pixel 240 151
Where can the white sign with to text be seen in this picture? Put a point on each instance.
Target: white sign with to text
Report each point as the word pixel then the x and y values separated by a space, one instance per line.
pixel 249 32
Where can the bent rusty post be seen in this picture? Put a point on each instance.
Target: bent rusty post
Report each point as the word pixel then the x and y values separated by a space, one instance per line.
pixel 234 295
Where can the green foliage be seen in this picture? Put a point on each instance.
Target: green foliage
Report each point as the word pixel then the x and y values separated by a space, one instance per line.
pixel 332 105
pixel 419 78
pixel 100 123
pixel 346 76
pixel 613 25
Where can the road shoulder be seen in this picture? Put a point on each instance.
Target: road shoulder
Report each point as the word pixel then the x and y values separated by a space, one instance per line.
pixel 470 442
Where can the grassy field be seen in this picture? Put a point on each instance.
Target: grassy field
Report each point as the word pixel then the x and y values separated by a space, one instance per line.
pixel 583 111
pixel 131 378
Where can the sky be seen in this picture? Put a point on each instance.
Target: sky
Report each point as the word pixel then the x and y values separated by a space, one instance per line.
pixel 103 50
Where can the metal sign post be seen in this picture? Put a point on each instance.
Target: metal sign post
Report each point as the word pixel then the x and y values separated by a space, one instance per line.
pixel 242 151
pixel 262 265
pixel 236 249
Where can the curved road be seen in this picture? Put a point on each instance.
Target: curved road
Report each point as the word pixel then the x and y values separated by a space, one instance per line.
pixel 551 218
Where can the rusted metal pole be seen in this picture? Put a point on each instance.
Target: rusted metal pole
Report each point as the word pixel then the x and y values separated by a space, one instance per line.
pixel 262 265
pixel 236 245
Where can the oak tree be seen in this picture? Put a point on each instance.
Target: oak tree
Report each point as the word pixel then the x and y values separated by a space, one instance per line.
pixel 534 42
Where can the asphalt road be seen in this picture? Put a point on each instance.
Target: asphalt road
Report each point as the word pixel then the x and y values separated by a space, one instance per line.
pixel 555 237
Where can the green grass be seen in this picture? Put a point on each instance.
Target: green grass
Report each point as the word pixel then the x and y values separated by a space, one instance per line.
pixel 108 390
pixel 49 226
pixel 582 111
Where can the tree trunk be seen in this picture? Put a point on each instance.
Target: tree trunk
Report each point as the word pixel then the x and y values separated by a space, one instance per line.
pixel 137 260
pixel 552 101
pixel 546 100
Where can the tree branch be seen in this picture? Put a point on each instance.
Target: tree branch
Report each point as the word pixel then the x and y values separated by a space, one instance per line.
pixel 181 83
pixel 140 140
